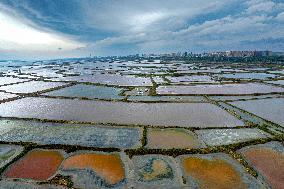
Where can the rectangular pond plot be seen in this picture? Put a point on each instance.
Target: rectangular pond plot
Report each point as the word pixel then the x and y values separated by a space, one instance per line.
pixel 276 82
pixel 5 96
pixel 167 99
pixel 138 91
pixel 270 109
pixel 111 79
pixel 88 91
pixel 191 79
pixel 156 114
pixel 225 89
pixel 159 80
pixel 69 134
pixel 277 71
pixel 215 137
pixel 11 80
pixel 246 76
pixel 235 98
pixel 31 87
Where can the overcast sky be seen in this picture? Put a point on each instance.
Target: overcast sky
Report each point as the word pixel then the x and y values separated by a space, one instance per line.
pixel 35 29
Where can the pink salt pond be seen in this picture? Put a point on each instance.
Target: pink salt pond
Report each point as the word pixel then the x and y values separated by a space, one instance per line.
pixel 268 162
pixel 38 165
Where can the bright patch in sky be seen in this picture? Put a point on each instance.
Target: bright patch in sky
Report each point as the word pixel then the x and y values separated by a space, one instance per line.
pixel 15 35
pixel 72 28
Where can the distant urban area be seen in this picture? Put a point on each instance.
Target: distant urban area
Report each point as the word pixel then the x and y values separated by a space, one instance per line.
pixel 214 54
pixel 220 56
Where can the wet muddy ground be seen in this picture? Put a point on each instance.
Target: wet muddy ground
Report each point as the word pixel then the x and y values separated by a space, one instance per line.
pixel 84 123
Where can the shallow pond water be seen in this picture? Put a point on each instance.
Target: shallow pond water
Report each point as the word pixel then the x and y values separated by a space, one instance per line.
pixel 88 91
pixel 110 79
pixel 31 87
pixel 259 76
pixel 172 138
pixel 165 114
pixel 167 98
pixel 193 78
pixel 235 98
pixel 11 80
pixel 277 82
pixel 234 89
pixel 38 165
pixel 69 134
pixel 108 167
pixel 212 174
pixel 270 109
pixel 4 96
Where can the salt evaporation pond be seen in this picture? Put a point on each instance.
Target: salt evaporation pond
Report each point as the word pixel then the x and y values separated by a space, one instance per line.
pixel 110 79
pixel 11 80
pixel 234 89
pixel 167 98
pixel 193 78
pixel 270 109
pixel 277 82
pixel 157 114
pixel 259 76
pixel 4 96
pixel 69 134
pixel 31 87
pixel 88 91
pixel 235 98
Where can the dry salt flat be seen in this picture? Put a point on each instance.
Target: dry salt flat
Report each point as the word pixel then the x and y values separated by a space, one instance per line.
pixel 141 124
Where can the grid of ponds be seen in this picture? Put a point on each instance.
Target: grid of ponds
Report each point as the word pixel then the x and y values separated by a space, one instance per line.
pixel 140 123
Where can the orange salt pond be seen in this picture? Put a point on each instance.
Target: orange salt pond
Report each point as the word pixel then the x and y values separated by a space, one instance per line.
pixel 37 165
pixel 212 174
pixel 172 138
pixel 107 166
pixel 269 163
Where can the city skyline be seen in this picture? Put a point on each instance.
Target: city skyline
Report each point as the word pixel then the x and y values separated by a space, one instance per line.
pixel 56 29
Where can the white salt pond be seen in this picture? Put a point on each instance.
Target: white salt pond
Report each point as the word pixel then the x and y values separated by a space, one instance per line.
pixel 31 87
pixel 4 96
pixel 11 80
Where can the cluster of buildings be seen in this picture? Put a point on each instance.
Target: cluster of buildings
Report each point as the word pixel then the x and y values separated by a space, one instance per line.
pixel 177 55
pixel 240 54
pixel 215 54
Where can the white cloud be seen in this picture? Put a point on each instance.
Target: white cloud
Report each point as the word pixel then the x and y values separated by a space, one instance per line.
pixel 227 32
pixel 17 35
pixel 255 6
pixel 135 16
pixel 280 17
pixel 148 26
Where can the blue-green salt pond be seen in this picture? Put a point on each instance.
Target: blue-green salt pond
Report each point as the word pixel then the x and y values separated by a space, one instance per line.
pixel 89 91
pixel 68 134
